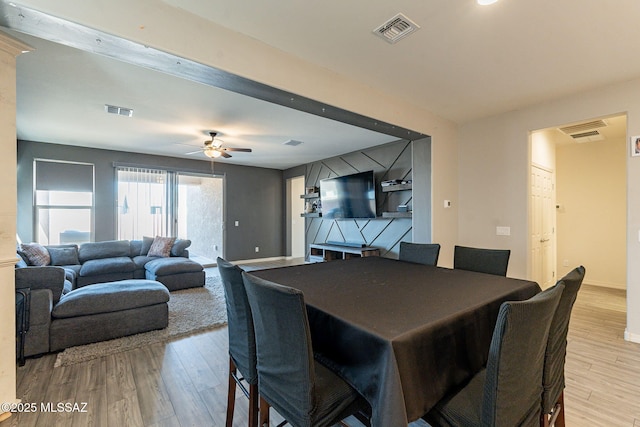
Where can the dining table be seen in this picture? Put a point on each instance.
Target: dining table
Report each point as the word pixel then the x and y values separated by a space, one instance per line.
pixel 404 335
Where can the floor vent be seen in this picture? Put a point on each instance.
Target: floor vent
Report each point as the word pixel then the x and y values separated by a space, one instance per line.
pixel 121 111
pixel 396 28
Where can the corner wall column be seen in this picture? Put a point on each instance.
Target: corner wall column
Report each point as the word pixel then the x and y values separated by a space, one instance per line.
pixel 10 48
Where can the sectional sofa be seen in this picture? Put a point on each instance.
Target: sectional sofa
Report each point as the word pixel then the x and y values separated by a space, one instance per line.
pixel 100 291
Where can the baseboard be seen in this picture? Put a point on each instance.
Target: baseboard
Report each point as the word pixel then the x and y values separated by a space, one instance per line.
pixel 607 285
pixel 252 261
pixel 629 336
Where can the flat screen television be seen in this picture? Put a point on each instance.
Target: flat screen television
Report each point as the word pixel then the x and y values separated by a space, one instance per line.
pixel 349 196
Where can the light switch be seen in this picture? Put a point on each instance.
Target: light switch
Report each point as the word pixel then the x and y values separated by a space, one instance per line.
pixel 237 223
pixel 503 231
pixel 447 203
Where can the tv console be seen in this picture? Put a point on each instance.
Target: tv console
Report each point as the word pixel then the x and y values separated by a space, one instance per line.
pixel 321 252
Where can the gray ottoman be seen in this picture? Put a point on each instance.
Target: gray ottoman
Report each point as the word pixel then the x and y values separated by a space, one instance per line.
pixel 176 272
pixel 108 310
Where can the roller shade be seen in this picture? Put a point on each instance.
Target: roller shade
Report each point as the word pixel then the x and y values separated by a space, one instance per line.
pixel 60 176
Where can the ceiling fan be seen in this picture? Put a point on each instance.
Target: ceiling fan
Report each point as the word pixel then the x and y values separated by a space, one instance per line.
pixel 214 148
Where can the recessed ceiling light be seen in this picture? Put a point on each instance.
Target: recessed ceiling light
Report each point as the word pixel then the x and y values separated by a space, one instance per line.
pixel 486 2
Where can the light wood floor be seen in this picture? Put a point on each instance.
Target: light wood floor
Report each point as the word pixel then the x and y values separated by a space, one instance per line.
pixel 184 382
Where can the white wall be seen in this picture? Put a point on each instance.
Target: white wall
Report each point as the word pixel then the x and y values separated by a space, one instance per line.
pixel 9 49
pixel 495 189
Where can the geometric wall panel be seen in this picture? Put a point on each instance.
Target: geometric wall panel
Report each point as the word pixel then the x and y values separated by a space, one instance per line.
pixel 388 161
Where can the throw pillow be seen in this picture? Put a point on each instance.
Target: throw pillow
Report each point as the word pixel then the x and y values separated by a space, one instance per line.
pixel 179 246
pixel 146 245
pixel 36 254
pixel 64 256
pixel 161 246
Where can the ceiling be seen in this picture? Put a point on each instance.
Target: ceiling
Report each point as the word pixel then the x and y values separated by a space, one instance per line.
pixel 465 62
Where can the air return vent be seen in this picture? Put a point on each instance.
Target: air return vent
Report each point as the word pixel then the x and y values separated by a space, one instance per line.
pixel 292 142
pixel 588 136
pixel 396 28
pixel 583 127
pixel 121 111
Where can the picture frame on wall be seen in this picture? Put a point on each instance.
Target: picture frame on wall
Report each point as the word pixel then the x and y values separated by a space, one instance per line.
pixel 635 145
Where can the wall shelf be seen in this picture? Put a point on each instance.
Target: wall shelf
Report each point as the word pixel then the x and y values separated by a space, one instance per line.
pixel 310 196
pixel 311 215
pixel 397 214
pixel 397 187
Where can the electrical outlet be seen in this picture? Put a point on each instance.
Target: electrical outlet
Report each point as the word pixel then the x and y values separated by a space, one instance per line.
pixel 565 263
pixel 237 223
pixel 257 249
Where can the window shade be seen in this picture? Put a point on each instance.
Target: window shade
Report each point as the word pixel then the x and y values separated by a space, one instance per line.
pixel 59 176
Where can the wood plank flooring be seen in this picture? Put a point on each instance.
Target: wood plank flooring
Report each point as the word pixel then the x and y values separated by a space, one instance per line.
pixel 184 382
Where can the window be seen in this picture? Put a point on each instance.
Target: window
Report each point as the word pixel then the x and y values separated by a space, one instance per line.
pixel 63 202
pixel 142 202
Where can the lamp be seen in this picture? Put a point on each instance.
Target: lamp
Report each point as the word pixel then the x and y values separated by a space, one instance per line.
pixel 486 2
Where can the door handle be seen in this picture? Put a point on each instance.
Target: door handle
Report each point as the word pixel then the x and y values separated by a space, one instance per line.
pixel 544 240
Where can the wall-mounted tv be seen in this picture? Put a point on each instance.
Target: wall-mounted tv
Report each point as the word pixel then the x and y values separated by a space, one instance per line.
pixel 349 196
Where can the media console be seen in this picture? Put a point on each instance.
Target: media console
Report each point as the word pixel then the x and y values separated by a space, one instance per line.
pixel 319 252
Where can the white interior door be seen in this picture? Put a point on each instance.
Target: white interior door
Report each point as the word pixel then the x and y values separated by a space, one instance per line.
pixel 296 207
pixel 542 227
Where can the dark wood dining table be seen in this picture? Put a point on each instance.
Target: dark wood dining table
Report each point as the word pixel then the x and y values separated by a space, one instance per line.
pixel 402 334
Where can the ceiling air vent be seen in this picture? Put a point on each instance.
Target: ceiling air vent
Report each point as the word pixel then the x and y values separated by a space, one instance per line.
pixel 292 142
pixel 396 28
pixel 589 136
pixel 121 111
pixel 582 127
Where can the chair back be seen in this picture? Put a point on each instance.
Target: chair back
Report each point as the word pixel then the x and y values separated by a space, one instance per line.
pixel 419 253
pixel 286 372
pixel 490 261
pixel 513 383
pixel 242 342
pixel 554 359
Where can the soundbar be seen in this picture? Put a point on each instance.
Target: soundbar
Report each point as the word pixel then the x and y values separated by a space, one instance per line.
pixel 347 244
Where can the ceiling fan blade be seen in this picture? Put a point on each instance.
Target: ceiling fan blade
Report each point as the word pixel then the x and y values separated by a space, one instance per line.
pixel 244 150
pixel 225 155
pixel 193 152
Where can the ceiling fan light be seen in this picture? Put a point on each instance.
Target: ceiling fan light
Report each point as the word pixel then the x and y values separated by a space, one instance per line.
pixel 210 152
pixel 486 2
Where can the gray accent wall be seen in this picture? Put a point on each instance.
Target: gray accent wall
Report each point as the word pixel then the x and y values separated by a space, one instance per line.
pixel 253 196
pixel 389 161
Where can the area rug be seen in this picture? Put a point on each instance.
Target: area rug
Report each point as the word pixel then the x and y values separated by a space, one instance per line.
pixel 190 311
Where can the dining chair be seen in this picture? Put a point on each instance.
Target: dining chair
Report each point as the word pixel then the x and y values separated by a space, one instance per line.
pixel 554 359
pixel 491 261
pixel 301 389
pixel 507 392
pixel 242 343
pixel 419 253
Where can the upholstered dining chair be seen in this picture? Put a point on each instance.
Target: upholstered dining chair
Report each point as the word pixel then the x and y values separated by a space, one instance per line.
pixel 242 344
pixel 553 374
pixel 302 390
pixel 491 261
pixel 507 392
pixel 419 253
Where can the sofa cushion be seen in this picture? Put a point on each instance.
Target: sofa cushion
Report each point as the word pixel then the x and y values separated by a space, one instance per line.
pixel 146 245
pixel 141 260
pixel 96 267
pixel 111 297
pixel 36 254
pixel 99 250
pixel 161 246
pixel 67 255
pixel 179 247
pixel 174 265
pixel 135 246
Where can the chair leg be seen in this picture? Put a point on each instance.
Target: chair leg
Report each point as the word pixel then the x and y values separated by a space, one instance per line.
pixel 556 418
pixel 231 393
pixel 559 422
pixel 253 405
pixel 264 413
